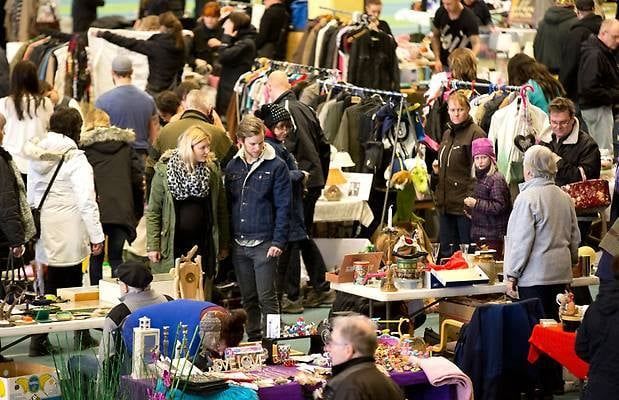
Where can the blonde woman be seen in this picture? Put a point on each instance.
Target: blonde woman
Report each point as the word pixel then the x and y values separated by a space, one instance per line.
pixel 119 176
pixel 187 205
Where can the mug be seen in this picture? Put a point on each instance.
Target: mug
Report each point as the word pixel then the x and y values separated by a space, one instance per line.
pixel 562 298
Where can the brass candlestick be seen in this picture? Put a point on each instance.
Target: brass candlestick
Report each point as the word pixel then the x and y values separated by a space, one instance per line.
pixel 387 284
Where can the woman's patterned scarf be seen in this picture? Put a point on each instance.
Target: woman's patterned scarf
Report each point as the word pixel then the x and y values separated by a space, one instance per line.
pixel 183 183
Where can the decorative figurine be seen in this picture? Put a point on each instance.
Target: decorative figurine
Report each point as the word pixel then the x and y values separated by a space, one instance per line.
pixel 187 273
pixel 387 284
pixel 210 332
pixel 166 341
pixel 185 341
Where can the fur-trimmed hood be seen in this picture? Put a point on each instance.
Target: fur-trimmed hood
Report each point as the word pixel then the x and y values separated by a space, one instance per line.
pixel 46 152
pixel 106 134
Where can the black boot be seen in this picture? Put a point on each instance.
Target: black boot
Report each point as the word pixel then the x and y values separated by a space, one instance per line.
pixel 40 346
pixel 83 340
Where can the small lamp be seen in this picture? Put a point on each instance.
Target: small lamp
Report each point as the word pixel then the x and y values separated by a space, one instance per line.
pixel 336 178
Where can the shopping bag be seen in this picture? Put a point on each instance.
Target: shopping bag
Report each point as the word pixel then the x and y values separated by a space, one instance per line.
pixel 589 195
pixel 15 284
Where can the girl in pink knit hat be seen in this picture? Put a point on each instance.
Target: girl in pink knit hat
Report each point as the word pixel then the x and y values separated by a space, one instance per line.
pixel 491 204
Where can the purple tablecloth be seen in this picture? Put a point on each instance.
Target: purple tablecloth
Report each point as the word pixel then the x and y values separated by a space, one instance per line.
pixel 414 384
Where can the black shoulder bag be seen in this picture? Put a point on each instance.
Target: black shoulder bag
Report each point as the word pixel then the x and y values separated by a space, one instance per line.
pixel 36 212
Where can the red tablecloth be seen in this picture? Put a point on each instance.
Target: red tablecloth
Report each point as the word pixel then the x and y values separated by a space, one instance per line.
pixel 559 345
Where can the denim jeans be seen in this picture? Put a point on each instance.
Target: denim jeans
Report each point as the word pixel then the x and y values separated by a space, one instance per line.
pixel 256 275
pixel 116 237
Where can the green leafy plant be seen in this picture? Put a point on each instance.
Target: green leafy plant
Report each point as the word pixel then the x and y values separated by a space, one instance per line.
pixel 80 382
pixel 168 380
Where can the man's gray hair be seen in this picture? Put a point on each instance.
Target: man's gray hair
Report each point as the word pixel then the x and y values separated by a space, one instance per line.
pixel 359 331
pixel 541 161
pixel 196 100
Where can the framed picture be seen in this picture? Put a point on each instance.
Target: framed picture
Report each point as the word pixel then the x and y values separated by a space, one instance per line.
pixel 358 186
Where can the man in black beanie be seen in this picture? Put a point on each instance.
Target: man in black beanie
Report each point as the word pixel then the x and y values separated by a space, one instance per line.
pixel 134 279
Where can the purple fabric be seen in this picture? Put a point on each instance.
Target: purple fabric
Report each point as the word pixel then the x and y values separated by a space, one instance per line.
pixel 289 391
pixel 414 384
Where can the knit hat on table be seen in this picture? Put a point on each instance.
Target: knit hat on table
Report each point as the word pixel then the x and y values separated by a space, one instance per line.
pixel 134 274
pixel 271 114
pixel 483 146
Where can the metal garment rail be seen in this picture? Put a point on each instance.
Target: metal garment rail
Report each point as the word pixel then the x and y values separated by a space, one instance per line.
pixel 310 68
pixel 492 87
pixel 359 88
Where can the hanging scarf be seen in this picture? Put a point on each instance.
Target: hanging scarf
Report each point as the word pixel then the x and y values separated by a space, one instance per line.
pixel 183 183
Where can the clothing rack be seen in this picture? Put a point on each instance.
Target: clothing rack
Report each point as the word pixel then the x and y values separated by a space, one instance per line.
pixel 309 68
pixel 360 89
pixel 402 97
pixel 492 87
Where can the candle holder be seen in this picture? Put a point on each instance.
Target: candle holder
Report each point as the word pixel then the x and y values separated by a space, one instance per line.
pixel 387 284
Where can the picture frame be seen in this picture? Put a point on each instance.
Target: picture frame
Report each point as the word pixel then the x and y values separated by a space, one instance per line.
pixel 358 185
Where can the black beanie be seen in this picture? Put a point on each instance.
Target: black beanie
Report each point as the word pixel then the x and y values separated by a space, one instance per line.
pixel 271 114
pixel 134 274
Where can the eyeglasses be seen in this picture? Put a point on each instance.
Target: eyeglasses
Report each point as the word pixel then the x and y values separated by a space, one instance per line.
pixel 560 123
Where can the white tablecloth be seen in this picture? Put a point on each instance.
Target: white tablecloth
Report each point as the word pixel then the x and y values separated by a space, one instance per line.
pixel 343 210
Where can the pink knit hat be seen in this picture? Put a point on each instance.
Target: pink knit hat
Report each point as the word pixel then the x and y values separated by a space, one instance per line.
pixel 483 146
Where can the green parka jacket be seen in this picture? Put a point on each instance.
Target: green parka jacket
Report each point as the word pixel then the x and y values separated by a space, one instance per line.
pixel 161 219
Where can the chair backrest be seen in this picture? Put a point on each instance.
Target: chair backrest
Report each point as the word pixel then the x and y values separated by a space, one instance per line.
pixel 173 314
pixel 493 347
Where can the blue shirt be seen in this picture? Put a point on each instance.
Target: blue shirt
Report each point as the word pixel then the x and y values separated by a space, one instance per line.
pixel 129 108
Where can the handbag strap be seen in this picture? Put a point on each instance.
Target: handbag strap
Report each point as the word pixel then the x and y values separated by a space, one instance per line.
pixel 51 182
pixel 10 270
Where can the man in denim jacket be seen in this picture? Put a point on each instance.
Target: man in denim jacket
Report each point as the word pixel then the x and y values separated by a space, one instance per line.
pixel 259 194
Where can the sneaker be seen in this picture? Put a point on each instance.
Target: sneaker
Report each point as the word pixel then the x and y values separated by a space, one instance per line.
pixel 291 307
pixel 315 298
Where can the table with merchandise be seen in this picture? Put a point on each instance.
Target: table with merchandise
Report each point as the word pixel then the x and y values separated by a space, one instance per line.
pixel 57 317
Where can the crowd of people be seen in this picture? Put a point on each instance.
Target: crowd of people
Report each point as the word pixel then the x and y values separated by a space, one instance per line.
pixel 71 177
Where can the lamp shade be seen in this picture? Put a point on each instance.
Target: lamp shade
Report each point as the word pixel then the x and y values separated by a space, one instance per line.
pixel 341 159
pixel 335 177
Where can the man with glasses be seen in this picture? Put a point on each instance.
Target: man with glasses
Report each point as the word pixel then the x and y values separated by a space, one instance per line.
pixel 578 155
pixel 354 374
pixel 578 159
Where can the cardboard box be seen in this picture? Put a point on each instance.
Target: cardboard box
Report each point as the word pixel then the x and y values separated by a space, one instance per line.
pixel 87 293
pixel 347 270
pixel 462 308
pixel 25 381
